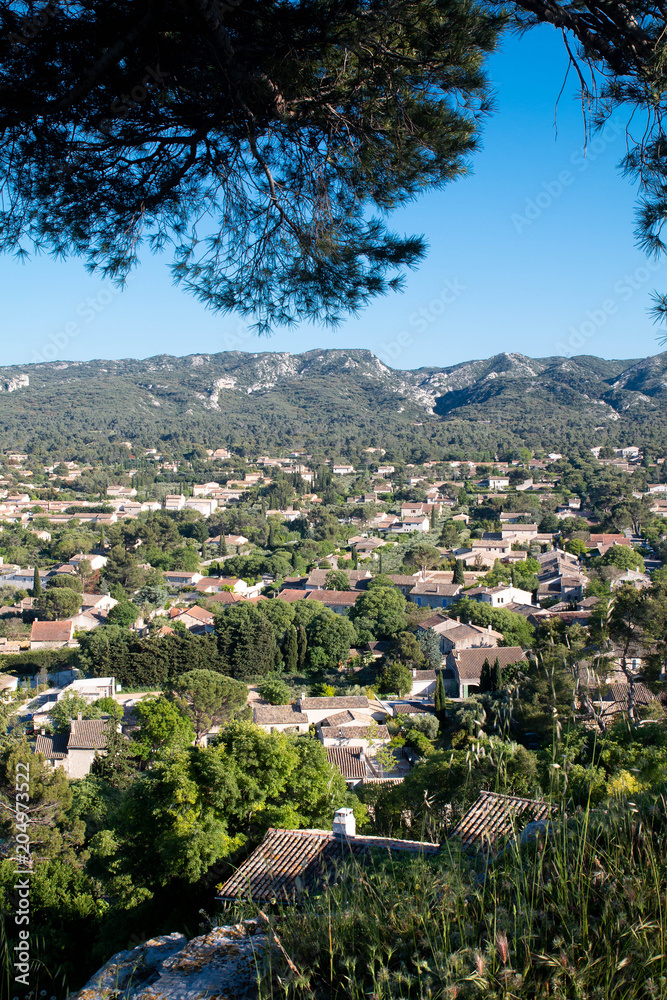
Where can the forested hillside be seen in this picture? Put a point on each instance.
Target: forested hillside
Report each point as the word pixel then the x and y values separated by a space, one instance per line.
pixel 349 399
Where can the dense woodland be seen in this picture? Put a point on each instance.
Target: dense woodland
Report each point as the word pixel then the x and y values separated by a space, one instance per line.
pixel 323 406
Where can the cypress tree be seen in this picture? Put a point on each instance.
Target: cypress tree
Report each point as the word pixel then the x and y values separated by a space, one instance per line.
pixel 36 583
pixel 497 676
pixel 291 650
pixel 485 680
pixel 439 693
pixel 302 647
pixel 222 545
pixel 118 766
pixel 459 573
pixel 440 699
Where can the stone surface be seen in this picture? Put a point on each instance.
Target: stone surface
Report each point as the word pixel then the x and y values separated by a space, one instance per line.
pixel 221 965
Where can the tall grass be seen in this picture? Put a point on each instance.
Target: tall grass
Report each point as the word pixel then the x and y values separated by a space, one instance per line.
pixel 579 914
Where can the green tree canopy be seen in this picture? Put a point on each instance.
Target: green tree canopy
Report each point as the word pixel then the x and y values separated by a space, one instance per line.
pixel 52 831
pixel 56 603
pixel 423 556
pixel 331 635
pixel 274 690
pixel 407 650
pixel 337 579
pixel 395 678
pixel 162 726
pixel 124 614
pixel 208 698
pixel 384 608
pixel 69 581
pixel 622 557
pixel 246 640
pixel 515 629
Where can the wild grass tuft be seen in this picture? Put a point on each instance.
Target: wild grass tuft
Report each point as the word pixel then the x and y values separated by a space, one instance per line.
pixel 578 914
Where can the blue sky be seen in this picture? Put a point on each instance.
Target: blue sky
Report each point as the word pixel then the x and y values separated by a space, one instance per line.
pixel 533 253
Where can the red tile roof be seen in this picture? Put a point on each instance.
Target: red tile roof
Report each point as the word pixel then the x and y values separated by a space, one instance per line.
pixel 226 597
pixel 336 702
pixel 354 732
pixel 290 862
pixel 200 614
pixel 350 761
pixel 51 631
pixel 293 595
pixel 52 747
pixel 469 662
pixel 343 598
pixel 278 715
pixel 88 734
pixel 494 816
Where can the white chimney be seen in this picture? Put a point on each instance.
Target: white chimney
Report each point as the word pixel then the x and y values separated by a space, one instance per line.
pixel 344 825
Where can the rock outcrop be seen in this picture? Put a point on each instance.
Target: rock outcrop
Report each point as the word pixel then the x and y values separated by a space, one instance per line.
pixel 12 384
pixel 221 965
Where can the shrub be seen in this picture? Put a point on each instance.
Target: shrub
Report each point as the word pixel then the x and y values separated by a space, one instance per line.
pixel 426 724
pixel 274 690
pixel 419 742
pixel 322 691
pixel 395 678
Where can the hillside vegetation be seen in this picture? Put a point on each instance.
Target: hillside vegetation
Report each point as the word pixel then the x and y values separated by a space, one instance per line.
pixel 347 399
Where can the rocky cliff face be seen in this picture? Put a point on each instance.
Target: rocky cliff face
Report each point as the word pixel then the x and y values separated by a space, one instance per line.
pixel 12 384
pixel 221 965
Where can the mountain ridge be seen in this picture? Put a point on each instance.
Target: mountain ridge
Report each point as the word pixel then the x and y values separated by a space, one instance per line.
pixel 278 397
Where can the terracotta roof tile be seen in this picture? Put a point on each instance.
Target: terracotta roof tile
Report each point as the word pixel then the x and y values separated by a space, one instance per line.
pixel 334 702
pixel 87 734
pixel 343 598
pixel 288 863
pixel 354 732
pixel 350 761
pixel 278 715
pixel 469 662
pixel 340 719
pixel 494 816
pixel 200 614
pixel 51 631
pixel 293 595
pixel 53 747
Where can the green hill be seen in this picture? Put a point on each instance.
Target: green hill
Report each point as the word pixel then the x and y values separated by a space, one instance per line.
pixel 337 400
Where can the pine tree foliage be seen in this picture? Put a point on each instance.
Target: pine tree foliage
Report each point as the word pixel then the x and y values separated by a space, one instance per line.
pixel 256 141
